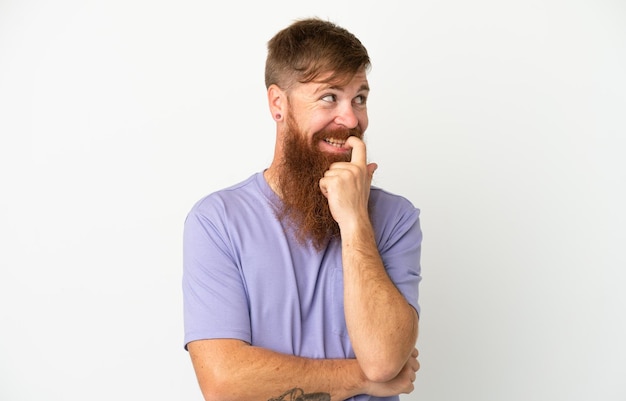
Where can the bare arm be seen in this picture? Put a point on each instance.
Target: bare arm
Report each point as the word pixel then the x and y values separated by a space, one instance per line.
pixel 233 370
pixel 382 325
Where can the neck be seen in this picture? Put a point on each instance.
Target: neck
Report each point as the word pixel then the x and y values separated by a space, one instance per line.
pixel 271 177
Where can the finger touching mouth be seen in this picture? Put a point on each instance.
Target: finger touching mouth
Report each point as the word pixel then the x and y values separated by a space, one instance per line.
pixel 337 143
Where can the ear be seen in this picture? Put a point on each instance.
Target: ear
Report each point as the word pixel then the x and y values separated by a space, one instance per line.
pixel 277 99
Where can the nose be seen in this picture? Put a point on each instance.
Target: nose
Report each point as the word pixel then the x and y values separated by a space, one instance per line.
pixel 346 116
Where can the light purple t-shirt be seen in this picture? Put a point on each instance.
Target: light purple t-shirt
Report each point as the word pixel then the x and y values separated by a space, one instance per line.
pixel 245 277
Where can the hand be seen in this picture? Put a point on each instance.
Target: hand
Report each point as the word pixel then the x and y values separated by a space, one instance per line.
pixel 346 185
pixel 401 384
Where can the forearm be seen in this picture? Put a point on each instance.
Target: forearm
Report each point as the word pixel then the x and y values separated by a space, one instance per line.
pixel 233 370
pixel 381 323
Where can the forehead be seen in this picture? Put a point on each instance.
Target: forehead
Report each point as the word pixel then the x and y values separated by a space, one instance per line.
pixel 347 82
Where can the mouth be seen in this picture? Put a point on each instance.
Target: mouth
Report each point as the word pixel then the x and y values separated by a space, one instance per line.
pixel 337 143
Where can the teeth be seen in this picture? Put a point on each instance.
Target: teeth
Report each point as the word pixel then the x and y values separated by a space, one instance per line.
pixel 335 142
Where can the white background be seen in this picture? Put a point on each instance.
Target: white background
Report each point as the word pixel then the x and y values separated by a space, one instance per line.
pixel 502 121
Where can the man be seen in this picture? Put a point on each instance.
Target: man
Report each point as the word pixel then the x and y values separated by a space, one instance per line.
pixel 301 282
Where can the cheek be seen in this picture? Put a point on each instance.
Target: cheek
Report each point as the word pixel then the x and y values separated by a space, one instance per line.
pixel 363 121
pixel 319 123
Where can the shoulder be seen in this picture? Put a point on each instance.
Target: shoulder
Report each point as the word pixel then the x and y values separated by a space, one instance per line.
pixel 235 196
pixel 393 216
pixel 224 212
pixel 240 202
pixel 383 201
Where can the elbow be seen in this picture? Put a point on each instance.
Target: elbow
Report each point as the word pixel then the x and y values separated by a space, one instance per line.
pixel 381 372
pixel 216 391
pixel 218 385
pixel 221 386
pixel 386 364
pixel 217 377
pixel 384 367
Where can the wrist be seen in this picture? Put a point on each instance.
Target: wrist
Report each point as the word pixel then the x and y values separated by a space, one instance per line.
pixel 359 226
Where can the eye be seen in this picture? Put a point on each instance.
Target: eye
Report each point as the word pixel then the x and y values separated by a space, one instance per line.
pixel 329 98
pixel 361 99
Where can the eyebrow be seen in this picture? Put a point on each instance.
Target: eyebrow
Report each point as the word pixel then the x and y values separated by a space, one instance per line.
pixel 363 87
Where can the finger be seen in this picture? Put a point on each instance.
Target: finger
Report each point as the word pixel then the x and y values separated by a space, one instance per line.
pixel 359 155
pixel 414 364
pixel 371 168
pixel 324 190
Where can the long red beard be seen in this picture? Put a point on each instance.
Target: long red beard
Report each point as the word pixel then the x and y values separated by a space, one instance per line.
pixel 305 209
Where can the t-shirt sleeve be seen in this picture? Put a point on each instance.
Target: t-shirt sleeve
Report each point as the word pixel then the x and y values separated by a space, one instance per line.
pixel 400 246
pixel 214 297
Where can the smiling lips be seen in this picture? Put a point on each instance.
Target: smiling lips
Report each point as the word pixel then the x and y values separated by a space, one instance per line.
pixel 338 143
